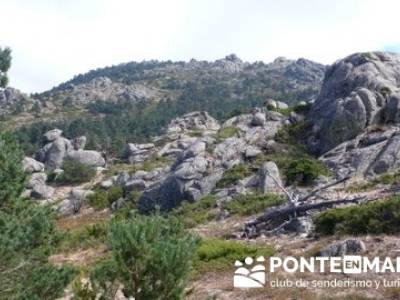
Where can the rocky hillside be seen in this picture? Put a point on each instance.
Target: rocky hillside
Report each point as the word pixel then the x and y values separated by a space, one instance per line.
pixel 230 77
pixel 136 101
pixel 12 101
pixel 353 122
pixel 251 181
pixel 159 80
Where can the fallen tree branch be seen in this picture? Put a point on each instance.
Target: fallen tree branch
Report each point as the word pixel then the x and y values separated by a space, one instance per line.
pixel 317 190
pixel 289 210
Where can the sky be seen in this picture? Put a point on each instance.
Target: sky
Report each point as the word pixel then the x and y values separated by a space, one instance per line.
pixel 53 40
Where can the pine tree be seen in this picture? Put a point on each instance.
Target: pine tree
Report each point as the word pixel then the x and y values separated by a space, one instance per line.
pixel 5 64
pixel 27 235
pixel 12 177
pixel 150 257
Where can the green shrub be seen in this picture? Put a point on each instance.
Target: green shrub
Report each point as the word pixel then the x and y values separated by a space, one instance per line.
pixel 294 134
pixel 153 163
pixel 114 193
pixel 302 109
pixel 226 132
pixel 195 133
pixel 85 237
pixel 199 212
pixel 219 255
pixel 234 174
pixel 75 172
pixel 252 203
pixel 45 282
pixel 304 171
pixel 149 255
pixel 385 91
pixel 102 199
pixel 12 177
pixel 371 218
pixel 98 200
pixel 284 111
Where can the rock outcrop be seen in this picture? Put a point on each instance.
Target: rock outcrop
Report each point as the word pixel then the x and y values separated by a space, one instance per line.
pixel 198 120
pixel 59 148
pixel 369 154
pixel 137 153
pixel 102 89
pixel 346 247
pixel 36 184
pixel 12 100
pixel 31 165
pixel 74 202
pixel 358 91
pixel 201 161
pixel 86 157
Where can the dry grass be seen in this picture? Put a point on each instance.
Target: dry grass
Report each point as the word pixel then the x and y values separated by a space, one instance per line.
pixel 79 259
pixel 83 220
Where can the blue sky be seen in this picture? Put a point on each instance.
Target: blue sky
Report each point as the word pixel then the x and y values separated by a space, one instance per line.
pixel 52 40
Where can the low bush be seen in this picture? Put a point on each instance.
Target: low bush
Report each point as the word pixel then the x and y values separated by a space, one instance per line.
pixel 300 109
pixel 234 174
pixel 304 171
pixel 101 199
pixel 294 134
pixel 154 162
pixel 199 212
pixel 226 132
pixel 85 237
pixel 215 255
pixel 45 282
pixel 75 173
pixel 245 205
pixel 295 165
pixel 195 133
pixel 371 218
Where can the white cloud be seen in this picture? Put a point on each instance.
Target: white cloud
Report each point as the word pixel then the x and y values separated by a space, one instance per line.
pixel 52 40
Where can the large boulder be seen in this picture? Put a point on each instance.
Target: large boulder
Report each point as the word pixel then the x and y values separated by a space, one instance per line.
pixel 188 180
pixel 74 202
pixel 258 118
pixel 138 152
pixel 270 179
pixel 230 151
pixel 42 191
pixel 87 157
pixel 58 148
pixel 31 165
pixel 198 120
pixel 55 152
pixel 52 135
pixel 346 247
pixel 37 179
pixel 355 95
pixel 369 154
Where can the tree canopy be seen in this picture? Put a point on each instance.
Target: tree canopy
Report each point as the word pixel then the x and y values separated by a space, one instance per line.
pixel 5 64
